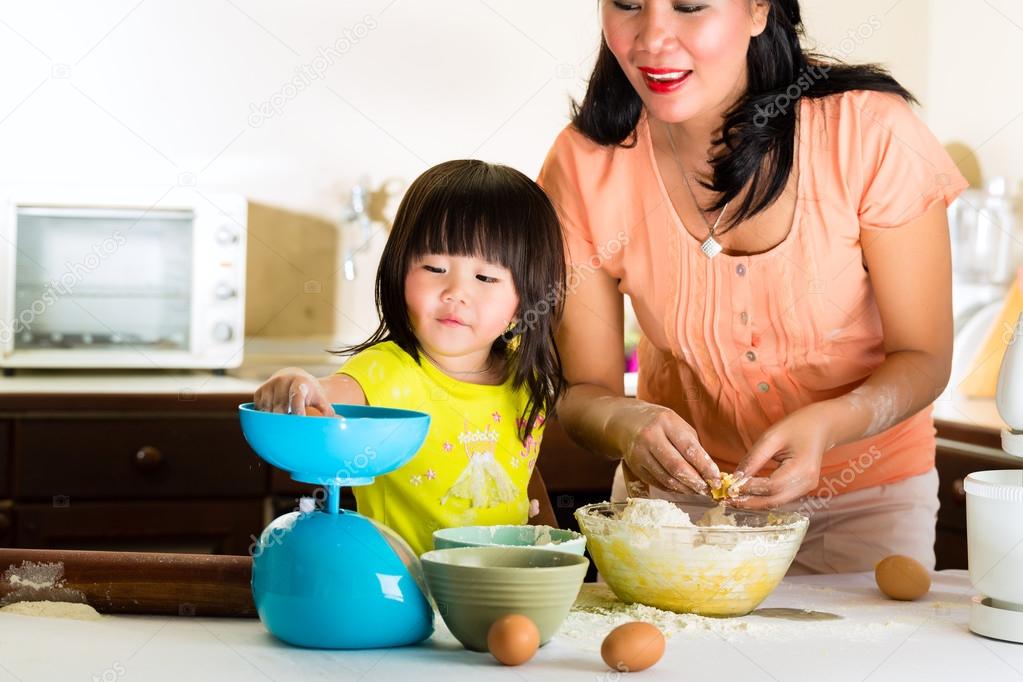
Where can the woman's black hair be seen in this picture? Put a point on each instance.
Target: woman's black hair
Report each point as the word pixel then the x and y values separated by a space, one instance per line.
pixel 489 211
pixel 758 132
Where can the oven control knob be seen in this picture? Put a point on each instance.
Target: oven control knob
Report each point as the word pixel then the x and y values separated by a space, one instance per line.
pixel 226 236
pixel 222 332
pixel 224 291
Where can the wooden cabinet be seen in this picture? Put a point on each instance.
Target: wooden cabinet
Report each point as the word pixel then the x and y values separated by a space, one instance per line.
pixel 195 527
pixel 135 456
pixel 129 472
pixel 6 523
pixel 5 449
pixel 574 477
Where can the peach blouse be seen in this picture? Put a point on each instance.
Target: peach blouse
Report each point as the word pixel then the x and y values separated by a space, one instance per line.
pixel 735 343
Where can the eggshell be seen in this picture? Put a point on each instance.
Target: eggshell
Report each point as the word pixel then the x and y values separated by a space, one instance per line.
pixel 902 577
pixel 513 639
pixel 312 411
pixel 632 647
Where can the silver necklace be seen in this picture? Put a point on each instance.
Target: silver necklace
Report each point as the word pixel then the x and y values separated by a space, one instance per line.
pixel 710 246
pixel 436 364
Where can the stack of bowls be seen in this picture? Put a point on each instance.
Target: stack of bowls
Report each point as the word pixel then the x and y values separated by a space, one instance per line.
pixel 475 586
pixel 540 537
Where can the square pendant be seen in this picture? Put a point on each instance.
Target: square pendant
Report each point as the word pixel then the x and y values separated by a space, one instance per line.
pixel 710 247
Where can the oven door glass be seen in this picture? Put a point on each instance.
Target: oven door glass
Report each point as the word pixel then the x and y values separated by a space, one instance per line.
pixel 103 279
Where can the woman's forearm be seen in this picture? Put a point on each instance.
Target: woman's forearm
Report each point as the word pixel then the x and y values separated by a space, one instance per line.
pixel 585 411
pixel 905 383
pixel 601 421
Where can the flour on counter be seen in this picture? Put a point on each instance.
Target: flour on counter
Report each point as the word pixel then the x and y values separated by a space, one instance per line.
pixel 36 581
pixel 52 609
pixel 597 611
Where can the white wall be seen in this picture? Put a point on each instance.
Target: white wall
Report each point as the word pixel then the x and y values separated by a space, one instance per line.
pixel 977 92
pixel 166 91
pixel 155 89
pixel 890 32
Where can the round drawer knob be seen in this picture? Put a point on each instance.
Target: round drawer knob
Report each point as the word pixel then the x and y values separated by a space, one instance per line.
pixel 959 490
pixel 148 458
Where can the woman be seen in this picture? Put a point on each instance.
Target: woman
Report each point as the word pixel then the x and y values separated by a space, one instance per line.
pixel 778 222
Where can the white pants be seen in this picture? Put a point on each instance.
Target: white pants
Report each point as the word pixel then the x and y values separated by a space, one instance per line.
pixel 851 532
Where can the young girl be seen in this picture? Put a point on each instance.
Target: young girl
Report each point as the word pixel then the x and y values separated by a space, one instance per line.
pixel 469 290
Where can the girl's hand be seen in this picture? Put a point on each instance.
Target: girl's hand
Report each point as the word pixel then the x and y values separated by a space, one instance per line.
pixel 663 450
pixel 798 443
pixel 289 391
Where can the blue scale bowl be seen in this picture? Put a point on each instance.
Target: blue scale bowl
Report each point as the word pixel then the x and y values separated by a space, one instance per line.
pixel 339 581
pixel 350 449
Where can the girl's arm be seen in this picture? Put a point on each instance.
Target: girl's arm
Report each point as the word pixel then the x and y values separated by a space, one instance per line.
pixel 538 491
pixel 292 389
pixel 911 273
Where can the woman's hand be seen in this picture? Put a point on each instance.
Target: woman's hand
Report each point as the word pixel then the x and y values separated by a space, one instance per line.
pixel 290 390
pixel 798 443
pixel 663 450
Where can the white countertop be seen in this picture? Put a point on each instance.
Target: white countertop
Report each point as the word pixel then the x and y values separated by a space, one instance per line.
pixel 874 639
pixel 169 382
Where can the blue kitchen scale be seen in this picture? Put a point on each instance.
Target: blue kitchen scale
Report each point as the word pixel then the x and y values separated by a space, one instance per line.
pixel 332 578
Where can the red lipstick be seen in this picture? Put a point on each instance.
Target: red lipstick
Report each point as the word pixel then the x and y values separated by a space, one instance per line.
pixel 664 80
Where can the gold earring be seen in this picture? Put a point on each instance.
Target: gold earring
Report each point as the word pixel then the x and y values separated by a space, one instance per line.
pixel 511 343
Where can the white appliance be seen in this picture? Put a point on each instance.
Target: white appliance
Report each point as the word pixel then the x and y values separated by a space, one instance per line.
pixel 985 240
pixel 994 516
pixel 128 278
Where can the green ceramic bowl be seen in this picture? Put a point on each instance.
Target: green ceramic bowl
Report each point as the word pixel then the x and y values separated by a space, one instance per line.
pixel 541 537
pixel 474 586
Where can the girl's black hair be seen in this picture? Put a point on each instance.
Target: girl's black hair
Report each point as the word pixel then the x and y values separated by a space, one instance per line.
pixel 758 133
pixel 489 211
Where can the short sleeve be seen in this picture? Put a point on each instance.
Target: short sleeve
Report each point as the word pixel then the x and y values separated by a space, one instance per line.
pixel 371 368
pixel 560 179
pixel 903 168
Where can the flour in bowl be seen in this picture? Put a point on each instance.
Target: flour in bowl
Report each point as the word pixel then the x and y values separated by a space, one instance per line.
pixel 655 513
pixel 649 513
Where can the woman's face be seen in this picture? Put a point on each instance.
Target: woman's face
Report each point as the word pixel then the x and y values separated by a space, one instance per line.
pixel 685 59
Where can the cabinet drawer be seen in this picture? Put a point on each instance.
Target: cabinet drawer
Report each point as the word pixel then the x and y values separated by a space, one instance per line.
pixel 142 458
pixel 197 527
pixel 5 459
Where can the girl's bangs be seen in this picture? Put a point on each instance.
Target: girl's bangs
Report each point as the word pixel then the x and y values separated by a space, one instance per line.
pixel 480 228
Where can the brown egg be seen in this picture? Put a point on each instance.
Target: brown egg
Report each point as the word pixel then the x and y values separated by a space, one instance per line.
pixel 632 647
pixel 513 639
pixel 901 577
pixel 312 411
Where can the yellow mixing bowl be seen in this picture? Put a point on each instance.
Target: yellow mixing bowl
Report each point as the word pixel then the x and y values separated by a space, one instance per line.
pixel 711 571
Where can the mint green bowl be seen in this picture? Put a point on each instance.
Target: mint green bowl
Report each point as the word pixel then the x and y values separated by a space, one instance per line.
pixel 540 537
pixel 474 586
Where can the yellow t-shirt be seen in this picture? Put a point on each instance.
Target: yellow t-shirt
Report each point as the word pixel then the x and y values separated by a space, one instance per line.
pixel 472 469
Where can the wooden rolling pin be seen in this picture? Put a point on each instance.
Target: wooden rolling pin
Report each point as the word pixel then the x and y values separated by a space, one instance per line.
pixel 130 582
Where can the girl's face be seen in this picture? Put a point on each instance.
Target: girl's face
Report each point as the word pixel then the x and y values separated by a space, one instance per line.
pixel 684 59
pixel 459 305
